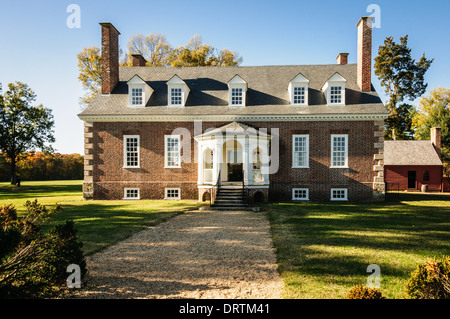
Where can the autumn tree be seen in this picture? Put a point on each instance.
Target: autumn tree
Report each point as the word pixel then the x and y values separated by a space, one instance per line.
pixel 403 78
pixel 89 65
pixel 23 127
pixel 434 111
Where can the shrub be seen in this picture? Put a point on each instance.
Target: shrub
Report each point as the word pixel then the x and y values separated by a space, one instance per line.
pixel 430 280
pixel 361 292
pixel 33 264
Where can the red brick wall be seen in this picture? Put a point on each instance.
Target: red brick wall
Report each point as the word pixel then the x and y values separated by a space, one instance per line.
pixel 110 177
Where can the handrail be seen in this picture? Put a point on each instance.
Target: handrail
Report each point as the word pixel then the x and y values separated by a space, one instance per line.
pixel 245 189
pixel 213 189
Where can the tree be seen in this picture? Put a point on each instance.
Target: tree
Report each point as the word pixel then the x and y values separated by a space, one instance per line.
pixel 434 111
pixel 89 64
pixel 23 127
pixel 153 47
pixel 197 53
pixel 403 78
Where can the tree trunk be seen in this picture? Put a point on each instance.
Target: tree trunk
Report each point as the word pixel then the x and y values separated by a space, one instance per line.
pixel 13 171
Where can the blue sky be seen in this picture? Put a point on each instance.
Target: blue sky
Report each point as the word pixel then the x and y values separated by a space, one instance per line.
pixel 37 47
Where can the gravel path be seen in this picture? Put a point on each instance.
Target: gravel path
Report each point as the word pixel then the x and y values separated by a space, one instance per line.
pixel 220 254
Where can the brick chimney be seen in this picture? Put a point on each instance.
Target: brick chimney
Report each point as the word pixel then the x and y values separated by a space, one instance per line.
pixel 110 57
pixel 435 134
pixel 138 60
pixel 364 63
pixel 342 58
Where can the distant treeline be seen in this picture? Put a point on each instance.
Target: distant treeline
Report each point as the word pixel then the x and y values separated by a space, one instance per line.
pixel 39 166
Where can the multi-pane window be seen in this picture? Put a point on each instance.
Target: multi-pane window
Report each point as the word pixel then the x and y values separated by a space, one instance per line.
pixel 236 96
pixel 300 194
pixel 426 176
pixel 131 150
pixel 131 193
pixel 136 96
pixel 339 150
pixel 336 95
pixel 175 96
pixel 172 193
pixel 300 150
pixel 339 194
pixel 299 95
pixel 172 151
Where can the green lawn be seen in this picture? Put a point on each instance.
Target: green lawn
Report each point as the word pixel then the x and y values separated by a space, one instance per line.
pixel 99 223
pixel 324 249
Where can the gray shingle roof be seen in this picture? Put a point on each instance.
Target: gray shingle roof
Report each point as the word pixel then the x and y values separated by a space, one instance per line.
pixel 267 91
pixel 410 153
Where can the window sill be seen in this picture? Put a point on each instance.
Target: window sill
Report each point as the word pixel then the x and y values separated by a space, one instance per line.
pixel 172 166
pixel 131 167
pixel 339 167
pixel 300 167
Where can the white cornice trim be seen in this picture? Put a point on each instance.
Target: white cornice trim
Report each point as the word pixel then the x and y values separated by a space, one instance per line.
pixel 230 118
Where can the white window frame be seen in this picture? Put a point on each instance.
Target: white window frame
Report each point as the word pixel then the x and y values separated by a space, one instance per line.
pixel 166 154
pixel 332 164
pixel 335 95
pixel 166 191
pixel 125 193
pixel 306 136
pixel 345 190
pixel 305 94
pixel 133 88
pixel 235 97
pixel 125 152
pixel 300 189
pixel 180 97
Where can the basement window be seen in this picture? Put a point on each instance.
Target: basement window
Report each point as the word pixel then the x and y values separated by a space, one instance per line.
pixel 131 193
pixel 172 193
pixel 339 194
pixel 300 194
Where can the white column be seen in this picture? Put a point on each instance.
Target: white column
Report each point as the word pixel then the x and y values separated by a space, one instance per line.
pixel 217 157
pixel 264 144
pixel 200 162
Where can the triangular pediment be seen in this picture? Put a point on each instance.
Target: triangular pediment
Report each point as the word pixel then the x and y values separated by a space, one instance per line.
pixel 336 78
pixel 300 78
pixel 233 129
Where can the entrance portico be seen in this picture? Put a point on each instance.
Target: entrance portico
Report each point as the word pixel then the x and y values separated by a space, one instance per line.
pixel 236 153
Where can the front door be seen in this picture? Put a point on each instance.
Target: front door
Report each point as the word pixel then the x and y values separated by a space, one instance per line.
pixel 234 165
pixel 411 179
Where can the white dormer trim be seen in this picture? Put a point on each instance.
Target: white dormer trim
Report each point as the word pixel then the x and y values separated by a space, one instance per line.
pixel 301 84
pixel 237 91
pixel 331 94
pixel 146 91
pixel 177 89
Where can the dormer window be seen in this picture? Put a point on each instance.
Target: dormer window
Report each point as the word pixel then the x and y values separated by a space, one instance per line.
pixel 136 96
pixel 139 92
pixel 236 96
pixel 336 95
pixel 298 90
pixel 334 90
pixel 237 89
pixel 178 91
pixel 175 96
